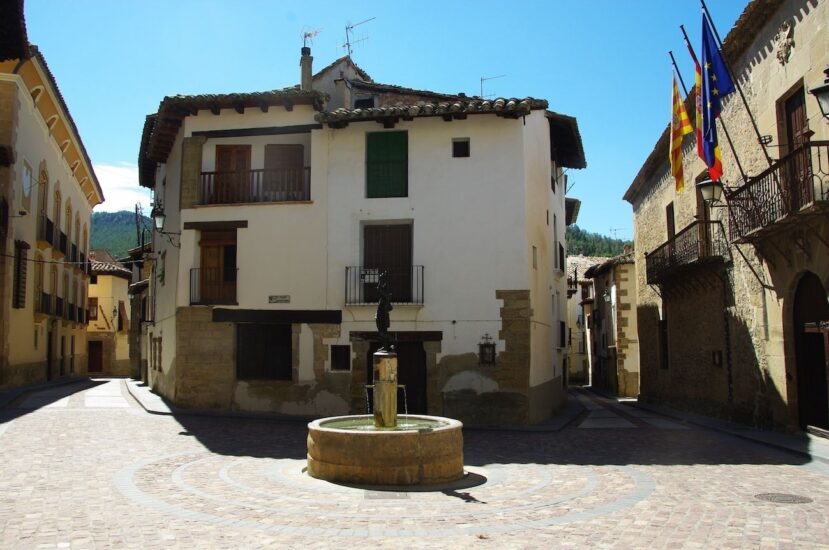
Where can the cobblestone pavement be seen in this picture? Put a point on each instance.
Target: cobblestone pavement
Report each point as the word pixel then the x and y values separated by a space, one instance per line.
pixel 84 467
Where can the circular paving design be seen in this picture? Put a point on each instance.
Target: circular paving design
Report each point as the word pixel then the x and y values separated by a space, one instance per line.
pixel 275 495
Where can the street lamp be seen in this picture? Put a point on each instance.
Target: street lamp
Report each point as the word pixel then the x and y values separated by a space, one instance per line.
pixel 821 93
pixel 158 217
pixel 710 190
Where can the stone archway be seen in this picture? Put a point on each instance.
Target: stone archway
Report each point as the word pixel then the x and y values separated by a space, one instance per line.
pixel 810 305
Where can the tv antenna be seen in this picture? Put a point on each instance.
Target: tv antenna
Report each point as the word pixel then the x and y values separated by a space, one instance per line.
pixel 485 78
pixel 349 38
pixel 615 231
pixel 308 36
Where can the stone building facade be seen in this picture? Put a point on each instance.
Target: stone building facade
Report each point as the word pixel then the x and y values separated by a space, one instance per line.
pixel 725 291
pixel 109 317
pixel 283 207
pixel 612 330
pixel 579 306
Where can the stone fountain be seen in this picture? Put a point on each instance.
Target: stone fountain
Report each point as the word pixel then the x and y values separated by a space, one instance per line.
pixel 377 449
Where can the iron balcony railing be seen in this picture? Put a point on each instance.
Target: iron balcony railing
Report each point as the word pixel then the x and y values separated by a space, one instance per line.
pixel 282 185
pixel 58 306
pixel 791 184
pixel 213 285
pixel 697 243
pixel 44 305
pixel 73 253
pixel 63 245
pixel 405 284
pixel 46 230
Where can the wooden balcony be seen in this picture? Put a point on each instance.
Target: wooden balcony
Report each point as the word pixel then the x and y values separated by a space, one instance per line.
pixel 405 284
pixel 792 189
pixel 698 244
pixel 213 286
pixel 255 186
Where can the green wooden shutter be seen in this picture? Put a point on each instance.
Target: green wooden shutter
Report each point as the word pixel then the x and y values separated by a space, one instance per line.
pixel 387 166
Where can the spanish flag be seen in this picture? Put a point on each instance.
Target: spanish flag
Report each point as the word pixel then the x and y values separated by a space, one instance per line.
pixel 680 127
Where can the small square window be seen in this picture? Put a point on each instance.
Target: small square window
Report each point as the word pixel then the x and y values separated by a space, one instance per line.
pixel 340 358
pixel 364 103
pixel 460 147
pixel 486 353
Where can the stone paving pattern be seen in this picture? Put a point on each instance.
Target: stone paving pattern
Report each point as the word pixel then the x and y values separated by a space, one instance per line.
pixel 85 467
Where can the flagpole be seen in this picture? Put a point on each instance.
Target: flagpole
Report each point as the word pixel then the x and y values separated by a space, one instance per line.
pixel 679 74
pixel 736 85
pixel 722 122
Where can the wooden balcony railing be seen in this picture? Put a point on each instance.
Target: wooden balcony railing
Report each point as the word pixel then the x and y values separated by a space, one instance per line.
pixel 405 284
pixel 697 243
pixel 793 184
pixel 213 285
pixel 284 185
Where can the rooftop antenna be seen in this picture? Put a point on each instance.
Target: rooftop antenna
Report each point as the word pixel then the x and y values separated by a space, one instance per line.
pixel 615 231
pixel 484 78
pixel 308 36
pixel 349 31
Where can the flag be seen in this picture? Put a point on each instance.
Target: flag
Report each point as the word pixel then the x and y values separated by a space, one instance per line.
pixel 680 126
pixel 713 83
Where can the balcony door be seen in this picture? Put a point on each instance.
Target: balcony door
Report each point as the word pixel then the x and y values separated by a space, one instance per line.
pixel 232 174
pixel 217 274
pixel 284 178
pixel 389 248
pixel 796 187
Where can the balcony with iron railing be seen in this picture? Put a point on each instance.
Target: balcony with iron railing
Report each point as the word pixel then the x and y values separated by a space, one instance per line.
pixel 44 304
pixel 255 186
pixel 699 243
pixel 58 306
pixel 794 187
pixel 405 284
pixel 213 285
pixel 45 231
pixel 63 242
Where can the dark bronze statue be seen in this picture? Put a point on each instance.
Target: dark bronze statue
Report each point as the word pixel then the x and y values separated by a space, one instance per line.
pixel 381 318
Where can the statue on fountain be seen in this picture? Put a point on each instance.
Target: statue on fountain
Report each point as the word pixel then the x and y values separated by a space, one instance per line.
pixel 381 318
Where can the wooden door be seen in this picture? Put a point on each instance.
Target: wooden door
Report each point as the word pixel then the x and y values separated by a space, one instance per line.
pixel 284 177
pixel 411 373
pixel 96 357
pixel 232 183
pixel 796 187
pixel 217 274
pixel 389 248
pixel 810 306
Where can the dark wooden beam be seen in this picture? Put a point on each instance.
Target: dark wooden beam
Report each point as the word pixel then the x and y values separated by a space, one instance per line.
pixel 229 224
pixel 239 108
pixel 289 106
pixel 447 117
pixel 215 109
pixel 264 107
pixel 400 336
pixel 266 131
pixel 285 316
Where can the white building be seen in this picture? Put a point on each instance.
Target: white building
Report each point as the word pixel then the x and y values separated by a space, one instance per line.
pixel 290 203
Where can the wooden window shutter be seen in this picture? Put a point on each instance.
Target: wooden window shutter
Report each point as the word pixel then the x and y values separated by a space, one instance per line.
pixel 387 166
pixel 20 264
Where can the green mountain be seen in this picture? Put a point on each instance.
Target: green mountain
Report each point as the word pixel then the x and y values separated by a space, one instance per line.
pixel 593 244
pixel 116 232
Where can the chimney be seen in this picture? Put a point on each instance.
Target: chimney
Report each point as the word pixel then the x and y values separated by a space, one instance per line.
pixel 343 96
pixel 305 68
pixel 627 249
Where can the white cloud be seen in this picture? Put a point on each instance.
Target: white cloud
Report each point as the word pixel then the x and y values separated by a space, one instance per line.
pixel 121 190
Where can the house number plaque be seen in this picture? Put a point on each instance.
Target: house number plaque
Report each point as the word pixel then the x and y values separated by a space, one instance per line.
pixel 279 299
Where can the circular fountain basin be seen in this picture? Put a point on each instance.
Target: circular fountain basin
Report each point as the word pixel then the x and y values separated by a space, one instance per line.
pixel 420 450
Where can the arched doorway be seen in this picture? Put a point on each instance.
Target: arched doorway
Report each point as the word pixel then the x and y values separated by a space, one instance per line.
pixel 810 305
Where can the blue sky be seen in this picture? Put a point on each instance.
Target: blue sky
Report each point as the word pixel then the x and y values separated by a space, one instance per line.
pixel 605 62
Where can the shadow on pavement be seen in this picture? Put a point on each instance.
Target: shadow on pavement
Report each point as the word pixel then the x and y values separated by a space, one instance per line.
pixel 24 401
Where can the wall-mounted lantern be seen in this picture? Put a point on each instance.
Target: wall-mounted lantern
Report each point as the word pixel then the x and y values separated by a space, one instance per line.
pixel 821 93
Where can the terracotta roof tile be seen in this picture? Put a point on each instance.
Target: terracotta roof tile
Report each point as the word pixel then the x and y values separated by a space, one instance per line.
pixel 503 106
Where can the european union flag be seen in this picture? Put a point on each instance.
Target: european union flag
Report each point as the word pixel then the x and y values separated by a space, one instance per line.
pixel 716 84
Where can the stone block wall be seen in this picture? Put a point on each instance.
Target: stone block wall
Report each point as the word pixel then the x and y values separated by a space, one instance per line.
pixel 205 362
